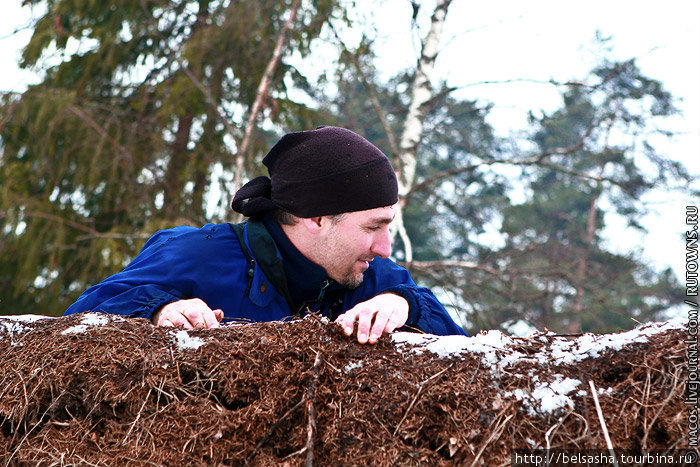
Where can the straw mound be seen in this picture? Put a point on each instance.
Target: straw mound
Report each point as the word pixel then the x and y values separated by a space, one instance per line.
pixel 96 389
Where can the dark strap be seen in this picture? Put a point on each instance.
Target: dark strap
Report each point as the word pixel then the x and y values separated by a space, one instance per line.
pixel 238 229
pixel 265 252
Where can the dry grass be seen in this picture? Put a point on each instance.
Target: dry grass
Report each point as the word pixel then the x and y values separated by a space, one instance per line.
pixel 301 393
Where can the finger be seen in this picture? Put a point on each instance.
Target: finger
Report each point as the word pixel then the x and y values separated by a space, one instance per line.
pixel 364 323
pixel 177 319
pixel 347 320
pixel 195 315
pixel 210 320
pixel 381 319
pixel 398 314
pixel 183 321
pixel 164 316
pixel 396 320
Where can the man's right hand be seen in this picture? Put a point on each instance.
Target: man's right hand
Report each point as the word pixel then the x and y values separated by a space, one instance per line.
pixel 191 313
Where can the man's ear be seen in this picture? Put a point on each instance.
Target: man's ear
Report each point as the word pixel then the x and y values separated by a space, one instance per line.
pixel 313 224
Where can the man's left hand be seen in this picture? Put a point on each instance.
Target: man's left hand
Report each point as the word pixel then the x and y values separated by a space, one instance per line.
pixel 374 317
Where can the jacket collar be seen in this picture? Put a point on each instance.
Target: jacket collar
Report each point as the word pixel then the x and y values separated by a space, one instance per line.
pixel 304 277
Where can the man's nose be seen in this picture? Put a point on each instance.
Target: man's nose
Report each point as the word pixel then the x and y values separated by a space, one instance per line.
pixel 382 244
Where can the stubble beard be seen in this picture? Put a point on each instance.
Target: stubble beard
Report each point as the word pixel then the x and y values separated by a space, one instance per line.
pixel 352 280
pixel 332 251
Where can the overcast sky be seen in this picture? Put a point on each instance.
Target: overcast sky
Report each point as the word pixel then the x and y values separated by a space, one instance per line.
pixel 546 39
pixel 537 40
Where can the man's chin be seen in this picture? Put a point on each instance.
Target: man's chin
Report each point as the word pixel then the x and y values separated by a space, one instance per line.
pixel 353 282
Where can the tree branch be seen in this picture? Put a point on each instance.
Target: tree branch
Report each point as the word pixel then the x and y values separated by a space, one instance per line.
pixel 91 233
pixel 374 99
pixel 527 80
pixel 211 101
pixel 69 223
pixel 101 131
pixel 428 265
pixel 260 95
pixel 538 159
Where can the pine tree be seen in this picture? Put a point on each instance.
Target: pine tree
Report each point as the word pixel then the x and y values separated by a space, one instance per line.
pixel 141 103
pixel 594 158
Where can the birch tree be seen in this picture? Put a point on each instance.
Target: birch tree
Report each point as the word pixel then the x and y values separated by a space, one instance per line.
pixel 421 92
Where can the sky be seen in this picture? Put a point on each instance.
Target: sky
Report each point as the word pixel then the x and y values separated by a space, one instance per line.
pixel 503 40
pixel 530 40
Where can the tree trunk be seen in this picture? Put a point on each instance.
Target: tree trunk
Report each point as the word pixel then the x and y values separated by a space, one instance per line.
pixel 582 267
pixel 421 93
pixel 262 92
pixel 175 178
pixel 204 156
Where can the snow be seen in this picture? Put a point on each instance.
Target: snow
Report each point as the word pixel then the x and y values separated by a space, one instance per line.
pixel 184 341
pixel 24 318
pixel 77 329
pixel 547 397
pixel 89 319
pixel 12 324
pixel 11 327
pixel 488 344
pixel 497 351
pixel 590 345
pixel 94 319
pixel 16 324
pixel 351 366
pixel 493 346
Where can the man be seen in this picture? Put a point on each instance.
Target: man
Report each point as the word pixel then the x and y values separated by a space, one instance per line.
pixel 317 240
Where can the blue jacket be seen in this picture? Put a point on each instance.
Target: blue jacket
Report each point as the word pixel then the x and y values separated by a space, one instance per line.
pixel 209 263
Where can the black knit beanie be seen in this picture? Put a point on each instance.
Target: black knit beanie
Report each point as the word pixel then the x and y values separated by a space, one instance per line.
pixel 321 172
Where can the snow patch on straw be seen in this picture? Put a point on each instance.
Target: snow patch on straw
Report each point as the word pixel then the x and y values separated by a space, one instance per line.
pixel 591 345
pixel 89 319
pixel 352 366
pixel 15 324
pixel 11 327
pixel 77 329
pixel 547 397
pixel 184 341
pixel 497 351
pixel 493 346
pixel 94 319
pixel 24 318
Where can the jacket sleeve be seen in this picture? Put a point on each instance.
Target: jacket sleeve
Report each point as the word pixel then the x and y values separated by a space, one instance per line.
pixel 425 310
pixel 168 268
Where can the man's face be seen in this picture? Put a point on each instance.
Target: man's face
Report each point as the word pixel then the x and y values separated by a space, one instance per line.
pixel 346 246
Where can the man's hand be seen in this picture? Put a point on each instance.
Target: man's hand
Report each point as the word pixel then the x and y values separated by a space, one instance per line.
pixel 374 317
pixel 191 314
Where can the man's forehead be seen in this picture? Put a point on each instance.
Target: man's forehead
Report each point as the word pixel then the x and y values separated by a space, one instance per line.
pixel 380 215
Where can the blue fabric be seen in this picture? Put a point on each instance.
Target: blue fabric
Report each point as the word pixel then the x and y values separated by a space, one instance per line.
pixel 208 263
